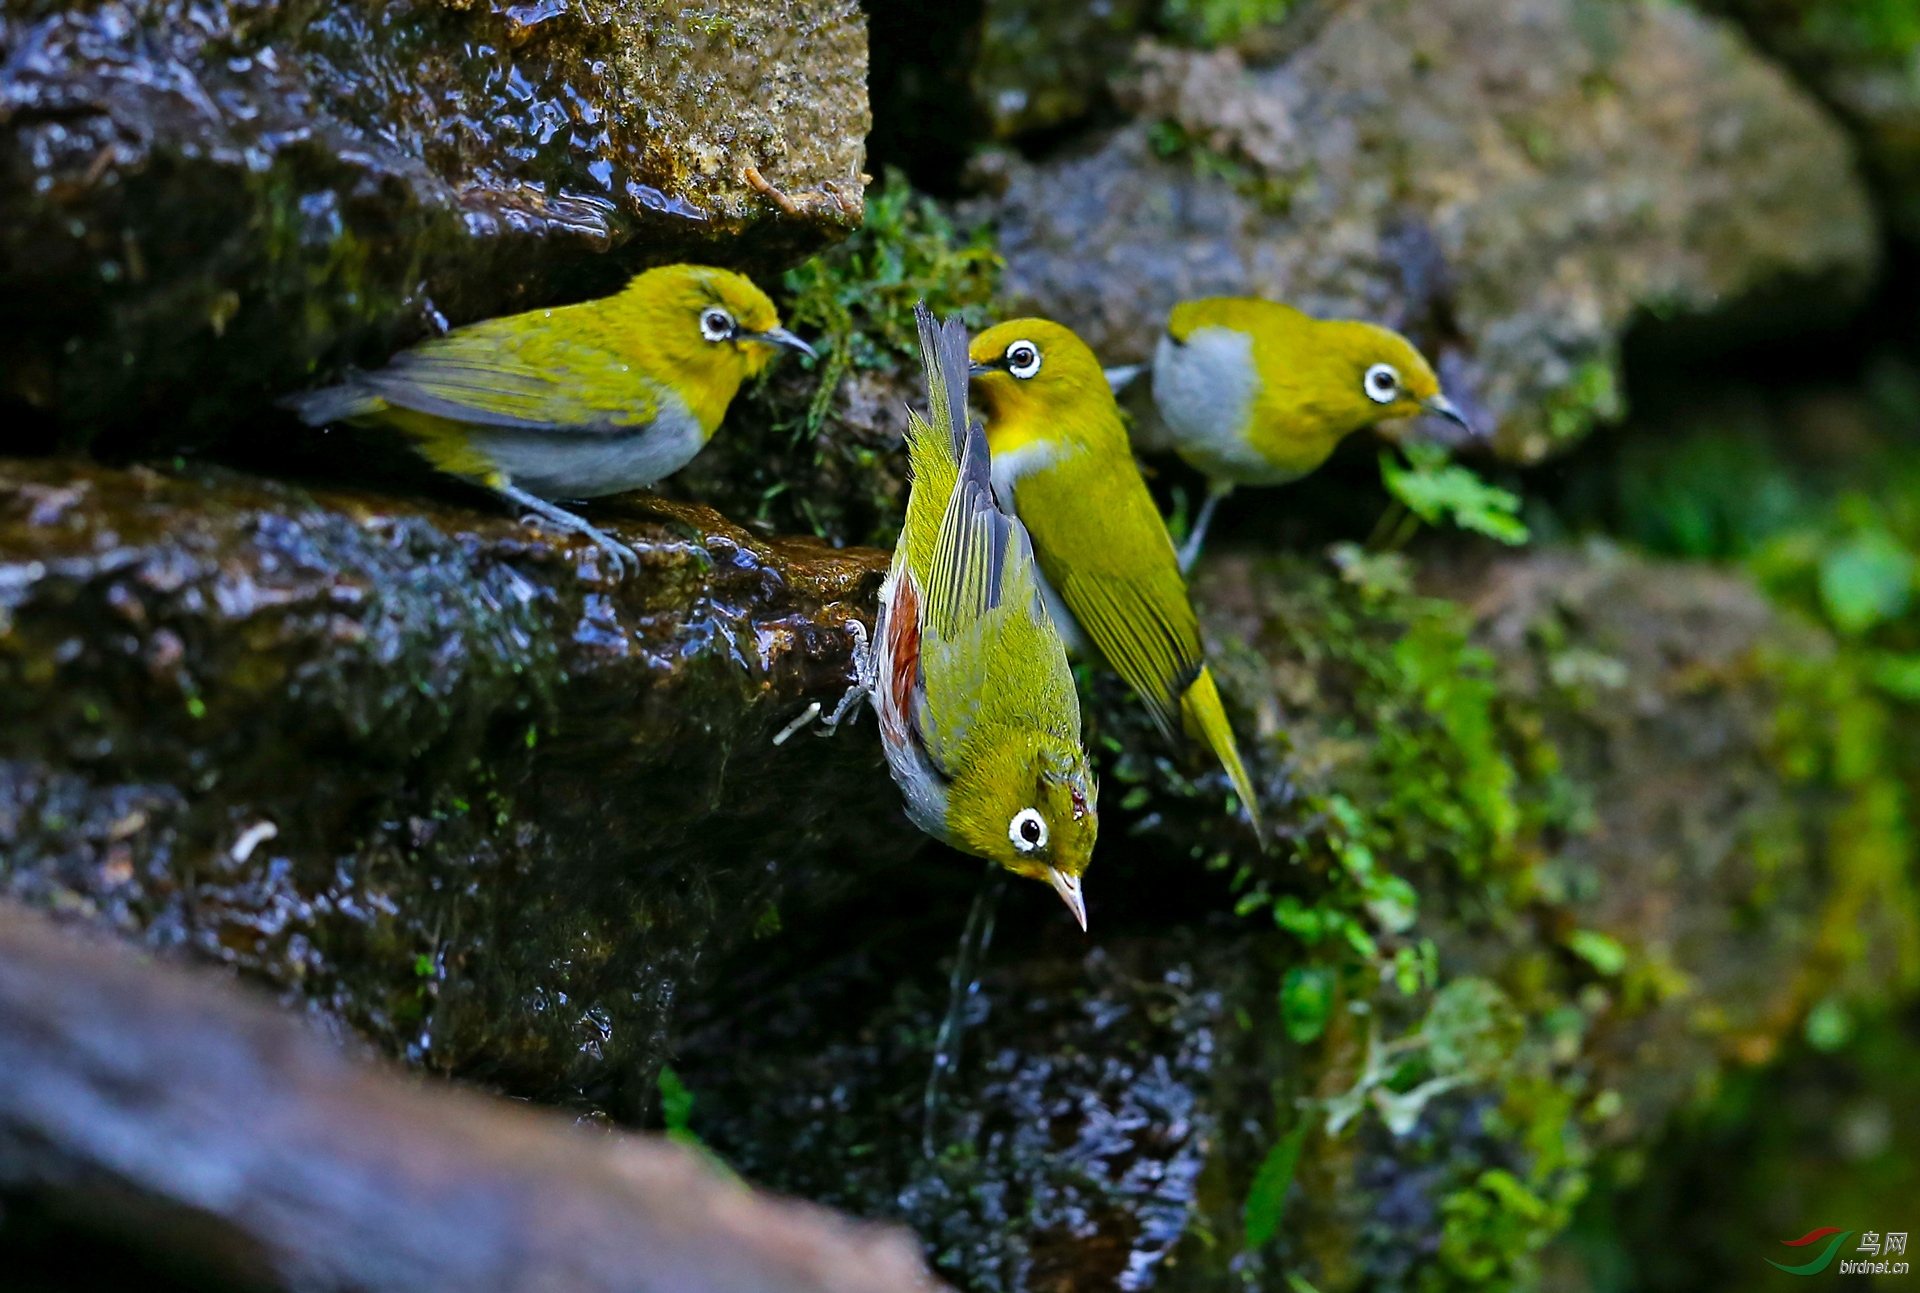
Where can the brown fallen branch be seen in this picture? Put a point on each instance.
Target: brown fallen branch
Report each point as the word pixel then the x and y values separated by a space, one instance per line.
pixel 187 1118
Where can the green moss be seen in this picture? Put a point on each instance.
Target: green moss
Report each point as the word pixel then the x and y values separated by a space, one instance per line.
pixel 1169 140
pixel 1591 398
pixel 817 446
pixel 859 296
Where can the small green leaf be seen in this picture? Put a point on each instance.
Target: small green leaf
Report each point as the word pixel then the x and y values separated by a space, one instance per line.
pixel 676 1103
pixel 1306 1000
pixel 1898 676
pixel 1267 1196
pixel 1866 581
pixel 1434 489
pixel 1597 950
pixel 1829 1025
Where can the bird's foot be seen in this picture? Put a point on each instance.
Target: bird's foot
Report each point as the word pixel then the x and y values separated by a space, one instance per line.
pixel 625 560
pixel 849 707
pixel 863 684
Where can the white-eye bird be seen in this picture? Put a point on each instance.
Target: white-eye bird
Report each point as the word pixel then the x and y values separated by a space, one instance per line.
pixel 1253 392
pixel 1062 464
pixel 577 401
pixel 966 671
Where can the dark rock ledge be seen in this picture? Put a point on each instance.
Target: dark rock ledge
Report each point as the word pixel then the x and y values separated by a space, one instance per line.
pixel 436 773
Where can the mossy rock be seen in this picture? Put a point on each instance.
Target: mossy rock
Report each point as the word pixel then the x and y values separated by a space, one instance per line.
pixel 205 209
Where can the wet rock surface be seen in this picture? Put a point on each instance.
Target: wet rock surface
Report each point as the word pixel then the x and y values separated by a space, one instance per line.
pixel 1060 1149
pixel 1512 183
pixel 207 204
pixel 432 772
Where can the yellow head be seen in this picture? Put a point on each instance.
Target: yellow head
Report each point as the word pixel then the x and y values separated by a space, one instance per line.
pixel 1028 803
pixel 701 331
pixel 1314 381
pixel 1034 375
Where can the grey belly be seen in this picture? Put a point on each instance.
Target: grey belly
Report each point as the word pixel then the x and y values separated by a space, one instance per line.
pixel 587 464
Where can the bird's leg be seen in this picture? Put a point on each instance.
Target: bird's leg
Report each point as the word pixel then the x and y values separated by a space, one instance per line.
pixel 625 560
pixel 864 681
pixel 1190 550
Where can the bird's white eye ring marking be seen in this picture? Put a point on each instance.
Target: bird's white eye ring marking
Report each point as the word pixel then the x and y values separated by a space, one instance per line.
pixel 716 324
pixel 1023 359
pixel 1382 383
pixel 1028 831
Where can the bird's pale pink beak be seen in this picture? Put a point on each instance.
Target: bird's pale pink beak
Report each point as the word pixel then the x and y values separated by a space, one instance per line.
pixel 1068 887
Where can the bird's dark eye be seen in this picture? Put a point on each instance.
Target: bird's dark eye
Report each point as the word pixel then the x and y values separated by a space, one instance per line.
pixel 1382 383
pixel 1023 359
pixel 1027 830
pixel 716 324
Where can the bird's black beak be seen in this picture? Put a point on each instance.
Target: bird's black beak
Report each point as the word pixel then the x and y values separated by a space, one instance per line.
pixel 1441 406
pixel 781 337
pixel 981 370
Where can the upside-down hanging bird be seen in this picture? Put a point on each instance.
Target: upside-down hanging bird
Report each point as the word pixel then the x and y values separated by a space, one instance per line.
pixel 966 671
pixel 576 401
pixel 1253 392
pixel 1062 464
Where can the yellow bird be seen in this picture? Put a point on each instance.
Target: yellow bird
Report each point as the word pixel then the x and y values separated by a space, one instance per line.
pixel 967 673
pixel 1061 462
pixel 576 401
pixel 1256 393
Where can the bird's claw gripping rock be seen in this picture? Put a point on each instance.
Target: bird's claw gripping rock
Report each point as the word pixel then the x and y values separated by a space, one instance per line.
pixel 863 684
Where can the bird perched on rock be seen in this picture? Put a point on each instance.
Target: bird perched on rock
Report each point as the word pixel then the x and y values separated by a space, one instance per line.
pixel 577 401
pixel 967 673
pixel 1256 393
pixel 1061 462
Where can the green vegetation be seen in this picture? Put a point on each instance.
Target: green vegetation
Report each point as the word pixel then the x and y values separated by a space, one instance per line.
pixel 1425 795
pixel 1219 22
pixel 1170 140
pixel 1884 28
pixel 858 297
pixel 1432 488
pixel 1816 496
pixel 815 447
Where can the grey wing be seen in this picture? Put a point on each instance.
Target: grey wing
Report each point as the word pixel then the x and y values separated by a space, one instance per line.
pixel 943 352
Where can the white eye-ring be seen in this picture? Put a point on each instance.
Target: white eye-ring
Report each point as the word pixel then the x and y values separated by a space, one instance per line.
pixel 1382 383
pixel 716 324
pixel 1028 831
pixel 1023 359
